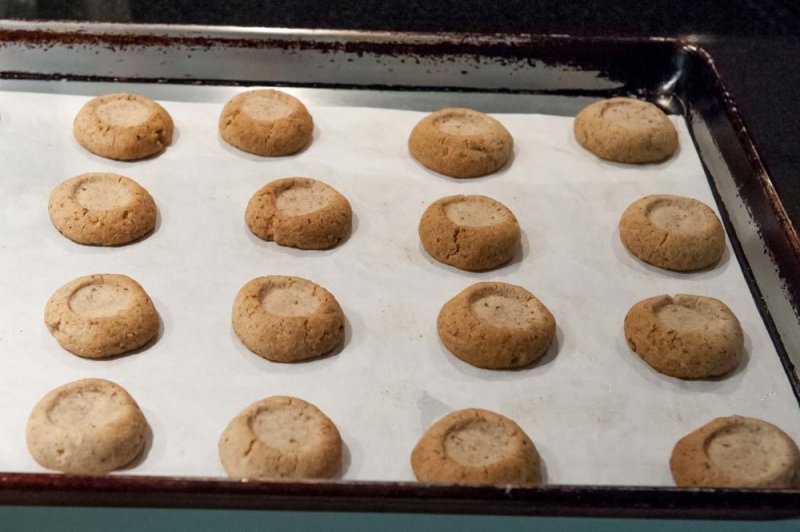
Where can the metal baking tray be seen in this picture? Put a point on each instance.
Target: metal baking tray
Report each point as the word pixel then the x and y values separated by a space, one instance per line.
pixel 561 72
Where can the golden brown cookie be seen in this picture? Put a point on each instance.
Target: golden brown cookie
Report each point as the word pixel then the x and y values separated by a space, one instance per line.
pixel 626 130
pixel 123 126
pixel 475 446
pixel 281 438
pixel 496 326
pixel 461 143
pixel 472 233
pixel 101 315
pixel 89 426
pixel 102 209
pixel 266 122
pixel 736 452
pixel 686 336
pixel 287 319
pixel 672 232
pixel 299 212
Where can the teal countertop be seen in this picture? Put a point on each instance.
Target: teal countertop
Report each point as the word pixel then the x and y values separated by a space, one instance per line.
pixel 43 519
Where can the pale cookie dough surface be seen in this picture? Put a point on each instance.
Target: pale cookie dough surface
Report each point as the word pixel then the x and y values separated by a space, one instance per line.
pixel 461 143
pixel 672 232
pixel 686 336
pixel 736 452
pixel 90 426
pixel 102 209
pixel 281 438
pixel 287 319
pixel 475 446
pixel 626 130
pixel 299 212
pixel 101 315
pixel 472 233
pixel 496 326
pixel 266 122
pixel 123 126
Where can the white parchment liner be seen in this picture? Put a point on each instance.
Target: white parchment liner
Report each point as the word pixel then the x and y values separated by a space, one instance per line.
pixel 596 412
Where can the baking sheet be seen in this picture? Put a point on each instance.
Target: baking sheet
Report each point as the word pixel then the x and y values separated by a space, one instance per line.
pixel 597 413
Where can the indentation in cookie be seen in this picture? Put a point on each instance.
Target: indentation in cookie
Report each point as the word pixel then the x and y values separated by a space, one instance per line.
pixel 504 311
pixel 100 300
pixel 688 314
pixel 747 450
pixel 460 123
pixel 287 427
pixel 478 443
pixel 304 198
pixel 475 211
pixel 631 116
pixel 78 406
pixel 291 301
pixel 677 215
pixel 266 107
pixel 102 194
pixel 123 112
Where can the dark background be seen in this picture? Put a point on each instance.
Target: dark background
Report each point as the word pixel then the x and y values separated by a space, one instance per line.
pixel 767 17
pixel 756 44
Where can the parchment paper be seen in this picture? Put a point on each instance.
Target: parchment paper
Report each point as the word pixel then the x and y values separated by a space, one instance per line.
pixel 596 412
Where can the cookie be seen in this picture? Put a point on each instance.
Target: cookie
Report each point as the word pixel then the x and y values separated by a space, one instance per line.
pixel 299 212
pixel 472 233
pixel 736 452
pixel 90 426
pixel 123 126
pixel 461 143
pixel 281 438
pixel 101 315
pixel 496 326
pixel 672 232
pixel 626 130
pixel 266 122
pixel 475 446
pixel 686 336
pixel 287 319
pixel 102 209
